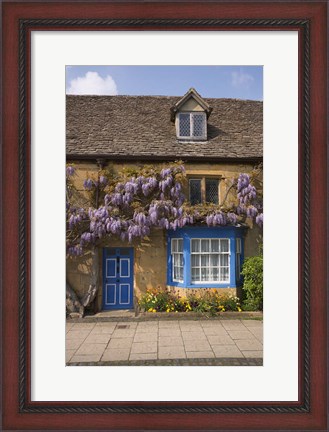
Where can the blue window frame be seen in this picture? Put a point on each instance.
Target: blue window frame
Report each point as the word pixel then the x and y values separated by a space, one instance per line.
pixel 209 257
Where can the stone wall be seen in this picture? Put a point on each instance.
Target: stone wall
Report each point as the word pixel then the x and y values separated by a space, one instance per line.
pixel 150 256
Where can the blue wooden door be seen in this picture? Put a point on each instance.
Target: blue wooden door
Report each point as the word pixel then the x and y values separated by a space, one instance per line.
pixel 118 278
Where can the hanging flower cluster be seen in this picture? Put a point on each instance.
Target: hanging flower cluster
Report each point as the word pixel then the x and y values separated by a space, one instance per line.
pixel 248 203
pixel 133 205
pixel 136 205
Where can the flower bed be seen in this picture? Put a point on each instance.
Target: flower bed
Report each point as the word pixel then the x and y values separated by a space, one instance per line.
pixel 205 301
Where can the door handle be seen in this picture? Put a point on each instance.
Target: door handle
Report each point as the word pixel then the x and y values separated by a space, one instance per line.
pixel 118 280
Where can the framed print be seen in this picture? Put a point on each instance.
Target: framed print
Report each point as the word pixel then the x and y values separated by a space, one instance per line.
pixel 45 42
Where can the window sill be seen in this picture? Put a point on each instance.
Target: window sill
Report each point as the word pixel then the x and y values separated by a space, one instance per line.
pixel 202 285
pixel 191 140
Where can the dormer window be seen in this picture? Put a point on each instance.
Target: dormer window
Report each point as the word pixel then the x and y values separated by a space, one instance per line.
pixel 192 125
pixel 190 116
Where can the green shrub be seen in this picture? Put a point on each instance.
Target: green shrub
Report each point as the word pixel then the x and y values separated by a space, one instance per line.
pixel 252 272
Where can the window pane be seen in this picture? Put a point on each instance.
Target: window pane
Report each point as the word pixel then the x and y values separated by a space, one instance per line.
pixel 224 260
pixel 214 260
pixel 204 274
pixel 180 245
pixel 195 260
pixel 184 125
pixel 205 245
pixel 199 125
pixel 212 191
pixel 195 191
pixel 180 261
pixel 174 245
pixel 224 245
pixel 205 260
pixel 224 274
pixel 214 274
pixel 195 245
pixel 195 274
pixel 214 245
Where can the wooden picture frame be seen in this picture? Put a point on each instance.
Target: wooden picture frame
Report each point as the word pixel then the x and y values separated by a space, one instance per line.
pixel 19 412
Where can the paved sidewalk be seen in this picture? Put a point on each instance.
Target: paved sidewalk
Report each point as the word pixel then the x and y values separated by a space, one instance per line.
pixel 174 342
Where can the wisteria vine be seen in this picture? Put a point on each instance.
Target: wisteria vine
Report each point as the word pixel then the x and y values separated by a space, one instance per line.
pixel 132 205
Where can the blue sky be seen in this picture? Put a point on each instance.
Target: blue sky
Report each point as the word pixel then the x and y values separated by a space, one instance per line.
pixel 240 82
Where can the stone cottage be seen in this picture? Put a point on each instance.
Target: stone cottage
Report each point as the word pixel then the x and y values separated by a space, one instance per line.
pixel 215 138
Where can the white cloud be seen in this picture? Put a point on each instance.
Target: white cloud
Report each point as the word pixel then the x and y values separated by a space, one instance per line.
pixel 241 79
pixel 93 84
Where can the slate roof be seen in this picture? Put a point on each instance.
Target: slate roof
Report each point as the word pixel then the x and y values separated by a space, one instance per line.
pixel 140 127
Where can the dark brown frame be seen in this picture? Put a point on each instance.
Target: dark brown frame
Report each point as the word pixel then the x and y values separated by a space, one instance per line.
pixel 19 19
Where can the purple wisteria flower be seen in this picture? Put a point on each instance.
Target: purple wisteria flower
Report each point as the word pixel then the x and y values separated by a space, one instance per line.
pixel 70 171
pixel 74 250
pixel 259 219
pixel 88 184
pixel 103 180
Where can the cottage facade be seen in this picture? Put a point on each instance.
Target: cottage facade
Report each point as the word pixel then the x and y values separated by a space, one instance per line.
pixel 217 139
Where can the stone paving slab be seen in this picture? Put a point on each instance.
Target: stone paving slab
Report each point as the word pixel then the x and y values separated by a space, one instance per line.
pixel 158 342
pixel 116 354
pixel 98 338
pixel 227 351
pixel 239 334
pixel 120 343
pixel 191 336
pixel 171 352
pixel 199 354
pixel 144 347
pixel 146 337
pixel 88 348
pixel 196 345
pixel 87 358
pixel 170 341
pixel 214 331
pixel 249 345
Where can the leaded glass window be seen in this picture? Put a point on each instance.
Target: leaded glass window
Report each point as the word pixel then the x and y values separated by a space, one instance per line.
pixel 177 260
pixel 204 190
pixel 192 125
pixel 198 125
pixel 195 191
pixel 210 260
pixel 184 125
pixel 212 191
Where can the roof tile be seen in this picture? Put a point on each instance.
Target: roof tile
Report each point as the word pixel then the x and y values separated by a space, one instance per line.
pixel 141 126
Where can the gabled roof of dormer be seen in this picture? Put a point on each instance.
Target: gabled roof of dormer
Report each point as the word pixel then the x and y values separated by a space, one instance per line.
pixel 191 94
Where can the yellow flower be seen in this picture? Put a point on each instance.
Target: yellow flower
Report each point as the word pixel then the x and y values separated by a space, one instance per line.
pixel 239 309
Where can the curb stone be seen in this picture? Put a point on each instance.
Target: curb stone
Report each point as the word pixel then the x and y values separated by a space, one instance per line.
pixel 176 362
pixel 163 316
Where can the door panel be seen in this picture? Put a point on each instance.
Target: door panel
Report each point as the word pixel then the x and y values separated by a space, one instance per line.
pixel 110 267
pixel 110 294
pixel 124 267
pixel 118 278
pixel 124 294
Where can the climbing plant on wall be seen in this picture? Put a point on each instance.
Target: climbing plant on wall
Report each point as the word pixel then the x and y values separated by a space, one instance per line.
pixel 129 204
